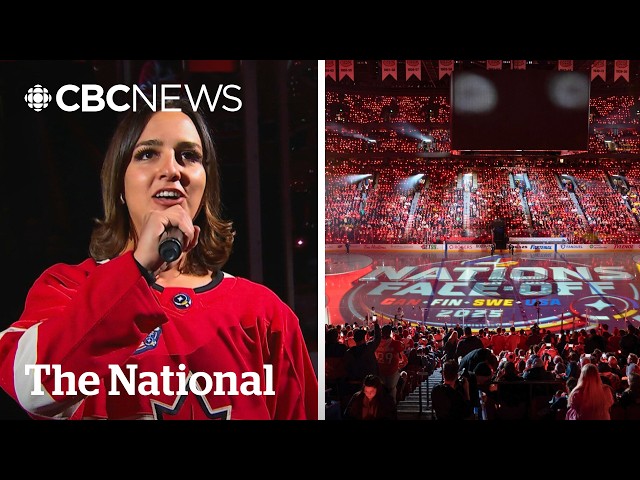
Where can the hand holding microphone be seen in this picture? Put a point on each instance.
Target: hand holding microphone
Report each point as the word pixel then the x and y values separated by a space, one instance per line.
pixel 164 236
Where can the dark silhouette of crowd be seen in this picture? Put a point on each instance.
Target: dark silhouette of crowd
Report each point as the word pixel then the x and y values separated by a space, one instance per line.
pixel 487 374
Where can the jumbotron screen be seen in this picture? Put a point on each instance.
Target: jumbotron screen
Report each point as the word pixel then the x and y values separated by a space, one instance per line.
pixel 512 110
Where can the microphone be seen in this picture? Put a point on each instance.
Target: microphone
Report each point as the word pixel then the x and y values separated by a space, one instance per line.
pixel 170 247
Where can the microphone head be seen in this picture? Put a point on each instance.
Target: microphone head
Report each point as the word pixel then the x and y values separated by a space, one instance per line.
pixel 170 249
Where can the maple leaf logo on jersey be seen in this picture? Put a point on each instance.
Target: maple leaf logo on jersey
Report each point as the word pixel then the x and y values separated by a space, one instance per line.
pixel 189 406
pixel 183 409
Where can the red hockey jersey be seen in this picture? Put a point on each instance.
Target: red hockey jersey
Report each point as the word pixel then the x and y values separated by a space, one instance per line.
pixel 229 350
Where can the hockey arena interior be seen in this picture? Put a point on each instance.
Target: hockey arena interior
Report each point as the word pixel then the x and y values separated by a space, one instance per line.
pixel 482 239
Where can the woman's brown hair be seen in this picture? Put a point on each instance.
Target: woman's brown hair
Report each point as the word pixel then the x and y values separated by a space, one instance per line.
pixel 112 233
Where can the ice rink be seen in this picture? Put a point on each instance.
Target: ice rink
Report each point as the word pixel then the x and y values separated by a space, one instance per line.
pixel 556 289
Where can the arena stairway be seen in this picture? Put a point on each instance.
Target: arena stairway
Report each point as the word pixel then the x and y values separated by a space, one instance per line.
pixel 576 202
pixel 527 211
pixel 409 408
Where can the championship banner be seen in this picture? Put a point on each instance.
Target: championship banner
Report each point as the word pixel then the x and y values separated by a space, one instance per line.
pixel 621 69
pixel 494 64
pixel 445 67
pixel 389 67
pixel 346 69
pixel 413 67
pixel 330 69
pixel 518 64
pixel 565 65
pixel 599 69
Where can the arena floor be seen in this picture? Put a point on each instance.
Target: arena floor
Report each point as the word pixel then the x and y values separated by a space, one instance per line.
pixel 556 290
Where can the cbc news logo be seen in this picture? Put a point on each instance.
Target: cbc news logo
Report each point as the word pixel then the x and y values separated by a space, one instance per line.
pixel 94 98
pixel 38 98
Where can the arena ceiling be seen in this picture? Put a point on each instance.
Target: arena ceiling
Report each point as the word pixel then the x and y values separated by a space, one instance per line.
pixel 368 74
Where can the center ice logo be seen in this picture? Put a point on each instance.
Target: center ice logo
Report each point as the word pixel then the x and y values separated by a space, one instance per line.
pixel 498 291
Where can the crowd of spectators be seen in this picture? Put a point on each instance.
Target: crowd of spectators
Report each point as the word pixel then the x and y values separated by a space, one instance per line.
pixel 403 125
pixel 398 122
pixel 553 212
pixel 488 374
pixel 613 110
pixel 361 123
pixel 495 198
pixel 605 209
pixel 372 201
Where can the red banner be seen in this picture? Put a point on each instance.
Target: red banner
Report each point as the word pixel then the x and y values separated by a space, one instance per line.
pixel 445 67
pixel 621 69
pixel 599 69
pixel 389 67
pixel 518 64
pixel 330 69
pixel 494 64
pixel 413 67
pixel 565 65
pixel 346 69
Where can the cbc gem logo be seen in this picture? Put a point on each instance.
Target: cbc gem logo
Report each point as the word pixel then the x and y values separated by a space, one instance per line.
pixel 38 98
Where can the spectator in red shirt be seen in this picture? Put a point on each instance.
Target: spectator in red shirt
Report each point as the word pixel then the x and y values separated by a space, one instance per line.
pixel 390 360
